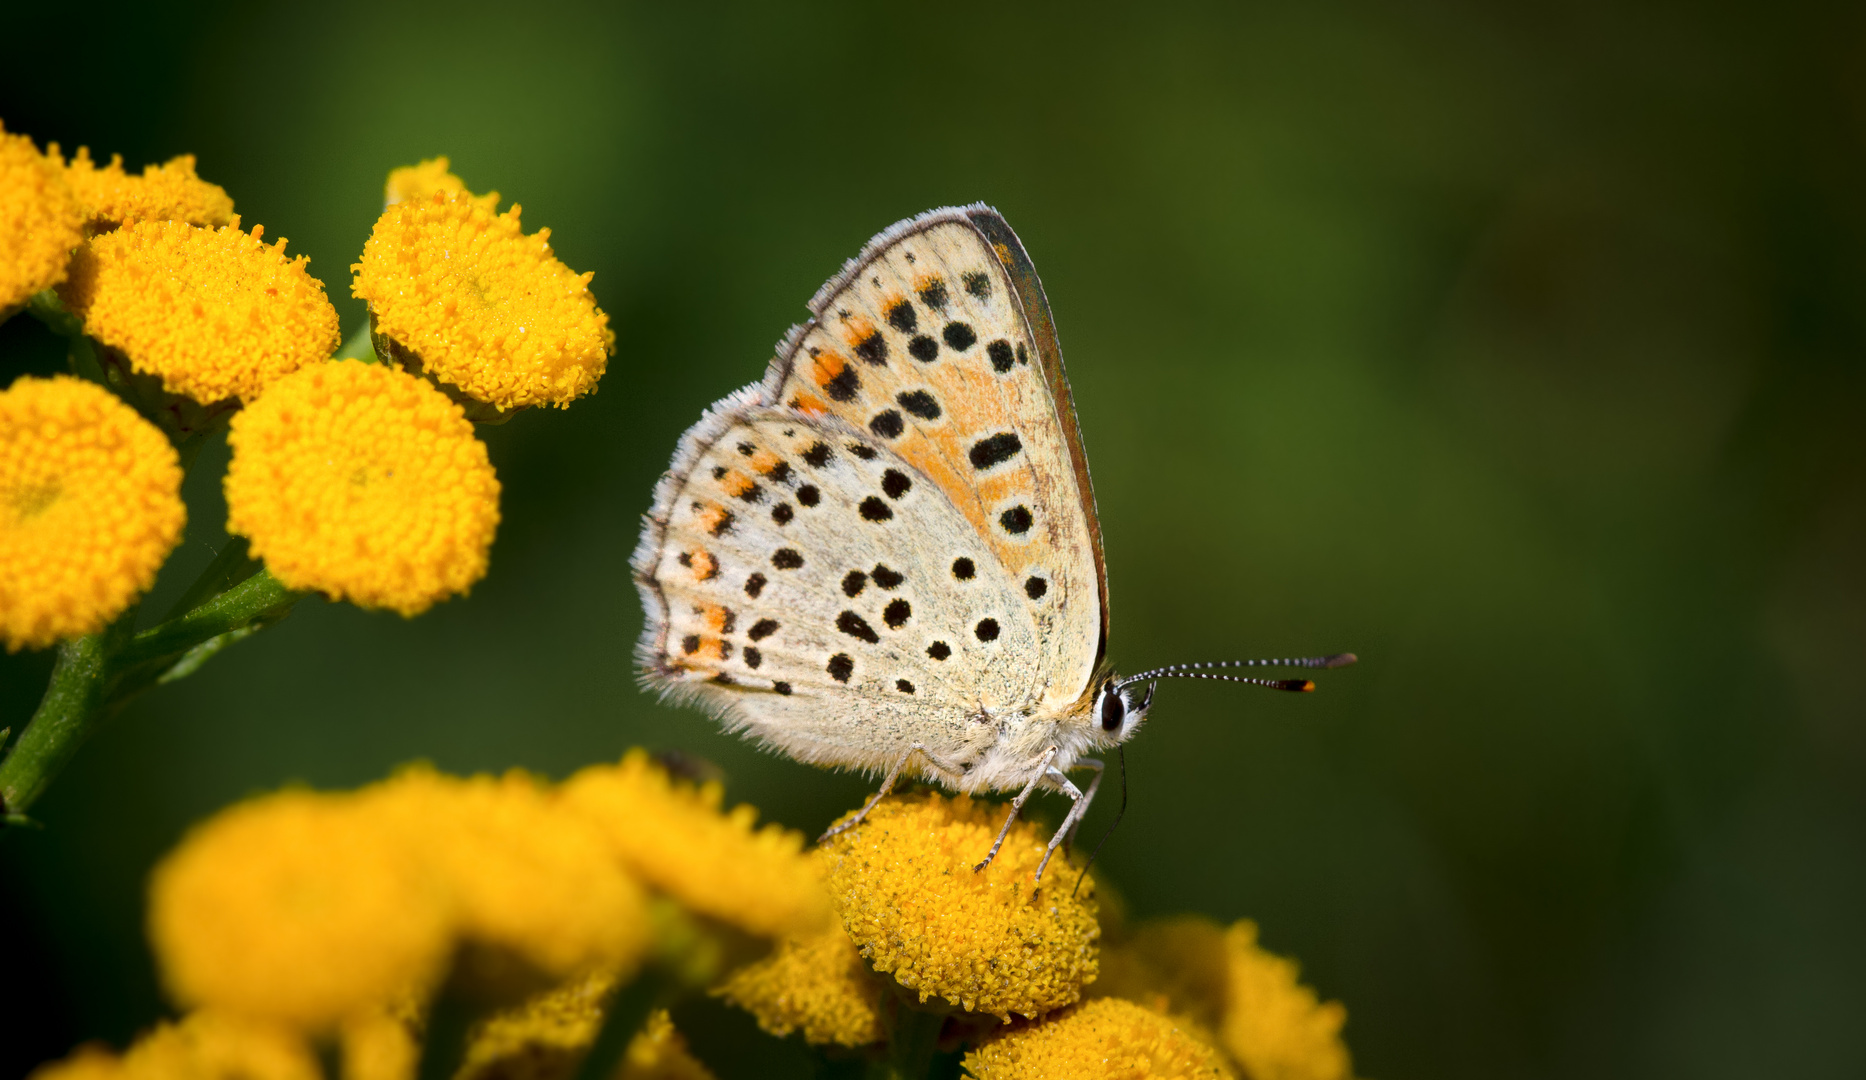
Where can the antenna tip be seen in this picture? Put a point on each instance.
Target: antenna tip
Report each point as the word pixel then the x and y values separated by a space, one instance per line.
pixel 1300 686
pixel 1340 660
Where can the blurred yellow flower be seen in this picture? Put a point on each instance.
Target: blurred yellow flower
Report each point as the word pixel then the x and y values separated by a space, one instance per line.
pixel 463 295
pixel 989 941
pixel 170 192
pixel 1104 1039
pixel 203 1046
pixel 381 1044
pixel 214 313
pixel 414 183
pixel 1219 979
pixel 818 984
pixel 659 1053
pixel 40 221
pixel 90 507
pixel 672 835
pixel 525 875
pixel 298 907
pixel 548 1035
pixel 364 483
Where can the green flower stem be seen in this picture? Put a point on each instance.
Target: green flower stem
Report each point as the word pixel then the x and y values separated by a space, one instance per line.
pixel 913 1036
pixel 625 1015
pixel 99 673
pixel 361 346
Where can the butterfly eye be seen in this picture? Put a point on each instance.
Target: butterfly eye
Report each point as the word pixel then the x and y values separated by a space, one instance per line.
pixel 1113 709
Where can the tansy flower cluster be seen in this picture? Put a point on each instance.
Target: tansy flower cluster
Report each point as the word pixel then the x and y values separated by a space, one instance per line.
pixel 364 482
pixel 504 926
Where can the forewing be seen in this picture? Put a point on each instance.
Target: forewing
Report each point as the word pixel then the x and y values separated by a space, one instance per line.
pixel 938 344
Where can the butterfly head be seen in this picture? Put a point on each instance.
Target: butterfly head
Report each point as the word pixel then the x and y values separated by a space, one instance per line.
pixel 1119 712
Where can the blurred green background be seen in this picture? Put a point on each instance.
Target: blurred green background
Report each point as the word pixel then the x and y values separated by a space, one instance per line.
pixel 1518 351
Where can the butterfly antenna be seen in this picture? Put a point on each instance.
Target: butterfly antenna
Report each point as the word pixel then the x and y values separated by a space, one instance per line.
pixel 1193 671
pixel 1120 757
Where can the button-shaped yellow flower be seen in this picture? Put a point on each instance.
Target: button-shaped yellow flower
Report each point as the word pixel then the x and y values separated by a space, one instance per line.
pixel 414 183
pixel 112 197
pixel 90 507
pixel 300 908
pixel 988 941
pixel 1218 979
pixel 364 483
pixel 1104 1039
pixel 214 313
pixel 672 835
pixel 40 221
pixel 526 877
pixel 463 295
pixel 818 984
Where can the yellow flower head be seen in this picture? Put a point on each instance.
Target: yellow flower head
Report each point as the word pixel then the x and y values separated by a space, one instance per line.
pixel 297 907
pixel 364 483
pixel 1104 1039
pixel 40 221
pixel 414 183
pixel 203 1046
pixel 214 313
pixel 818 984
pixel 1217 978
pixel 171 192
pixel 991 941
pixel 525 876
pixel 90 506
pixel 465 296
pixel 549 1034
pixel 672 835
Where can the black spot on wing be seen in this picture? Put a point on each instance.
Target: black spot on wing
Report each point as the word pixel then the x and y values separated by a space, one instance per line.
pixel 857 627
pixel 782 688
pixel 753 657
pixel 903 686
pixel 754 585
pixel 724 523
pixel 779 472
pixel 978 283
pixel 1035 587
pixel 873 509
pixel 1023 354
pixel 897 613
pixel 895 483
pixel 923 349
pixel 747 449
pixel 841 666
pixel 762 629
pixel 818 455
pixel 690 644
pixel 919 403
pixel 853 583
pixel 939 650
pixel 986 630
pixel 995 450
pixel 959 337
pixel 963 569
pixel 843 386
pixel 933 293
pixel 866 453
pixel 888 578
pixel 782 513
pixel 887 424
pixel 873 348
pixel 809 495
pixel 1016 520
pixel 901 317
pixel 1001 356
pixel 786 559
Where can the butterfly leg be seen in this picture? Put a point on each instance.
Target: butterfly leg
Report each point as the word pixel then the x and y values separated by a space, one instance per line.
pixel 887 786
pixel 1017 806
pixel 1076 812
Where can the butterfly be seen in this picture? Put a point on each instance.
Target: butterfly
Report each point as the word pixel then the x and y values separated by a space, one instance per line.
pixel 885 555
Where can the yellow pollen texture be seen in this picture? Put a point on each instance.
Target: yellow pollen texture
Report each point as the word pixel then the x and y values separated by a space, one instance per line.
pixel 90 506
pixel 214 313
pixel 413 183
pixel 364 483
pixel 481 306
pixel 991 942
pixel 171 192
pixel 1105 1039
pixel 40 221
pixel 818 984
pixel 204 1045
